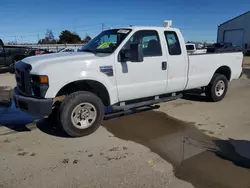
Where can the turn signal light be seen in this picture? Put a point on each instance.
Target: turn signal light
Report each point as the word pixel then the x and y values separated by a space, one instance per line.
pixel 44 79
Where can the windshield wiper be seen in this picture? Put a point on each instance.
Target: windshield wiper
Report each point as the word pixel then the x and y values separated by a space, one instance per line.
pixel 95 51
pixel 88 50
pixel 102 51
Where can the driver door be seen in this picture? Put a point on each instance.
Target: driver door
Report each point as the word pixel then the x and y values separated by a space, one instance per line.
pixel 142 79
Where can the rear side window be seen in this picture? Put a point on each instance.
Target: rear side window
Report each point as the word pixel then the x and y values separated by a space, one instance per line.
pixel 174 47
pixel 150 42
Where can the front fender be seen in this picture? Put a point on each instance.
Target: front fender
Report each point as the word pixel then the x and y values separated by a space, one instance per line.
pixel 56 82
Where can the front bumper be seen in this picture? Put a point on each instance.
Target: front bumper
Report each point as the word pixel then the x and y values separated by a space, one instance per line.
pixel 33 106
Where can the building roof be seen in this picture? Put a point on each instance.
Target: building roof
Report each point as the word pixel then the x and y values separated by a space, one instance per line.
pixel 235 18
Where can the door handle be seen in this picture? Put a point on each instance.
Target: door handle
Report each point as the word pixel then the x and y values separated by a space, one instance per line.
pixel 164 65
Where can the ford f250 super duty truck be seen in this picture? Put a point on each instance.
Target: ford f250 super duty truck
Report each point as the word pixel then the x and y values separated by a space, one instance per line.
pixel 120 69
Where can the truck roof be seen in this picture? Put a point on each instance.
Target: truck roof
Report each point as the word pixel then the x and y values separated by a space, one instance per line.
pixel 147 27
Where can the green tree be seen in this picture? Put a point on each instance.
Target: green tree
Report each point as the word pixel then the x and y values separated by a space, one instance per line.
pixel 67 36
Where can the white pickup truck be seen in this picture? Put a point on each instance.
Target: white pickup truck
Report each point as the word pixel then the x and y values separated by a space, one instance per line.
pixel 120 69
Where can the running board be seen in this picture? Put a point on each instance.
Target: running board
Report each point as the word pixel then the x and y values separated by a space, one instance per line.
pixel 129 112
pixel 146 103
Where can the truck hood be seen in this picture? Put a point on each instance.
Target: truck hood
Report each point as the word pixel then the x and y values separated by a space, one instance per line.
pixel 35 61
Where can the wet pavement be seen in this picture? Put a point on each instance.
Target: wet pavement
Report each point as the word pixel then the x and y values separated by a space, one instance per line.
pixel 15 120
pixel 10 116
pixel 197 158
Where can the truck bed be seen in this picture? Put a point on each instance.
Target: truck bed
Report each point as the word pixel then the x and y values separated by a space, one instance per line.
pixel 201 67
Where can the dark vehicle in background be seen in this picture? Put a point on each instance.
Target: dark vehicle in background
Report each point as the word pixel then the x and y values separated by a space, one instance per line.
pixel 223 47
pixel 9 55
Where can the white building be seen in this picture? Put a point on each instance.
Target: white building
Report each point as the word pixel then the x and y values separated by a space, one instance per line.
pixel 236 31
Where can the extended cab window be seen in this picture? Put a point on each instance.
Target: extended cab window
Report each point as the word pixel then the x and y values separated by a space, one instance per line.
pixel 174 47
pixel 150 42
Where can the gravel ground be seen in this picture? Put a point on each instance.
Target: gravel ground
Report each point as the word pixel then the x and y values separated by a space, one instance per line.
pixel 186 143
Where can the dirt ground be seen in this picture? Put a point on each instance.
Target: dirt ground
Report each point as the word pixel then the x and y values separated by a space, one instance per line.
pixel 185 143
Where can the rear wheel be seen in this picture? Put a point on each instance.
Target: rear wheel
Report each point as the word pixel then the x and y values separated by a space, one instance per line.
pixel 81 113
pixel 217 88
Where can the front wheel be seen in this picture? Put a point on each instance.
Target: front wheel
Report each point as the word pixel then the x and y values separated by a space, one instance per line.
pixel 81 113
pixel 217 88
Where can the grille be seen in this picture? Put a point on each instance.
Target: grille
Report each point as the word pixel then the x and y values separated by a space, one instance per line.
pixel 22 72
pixel 19 78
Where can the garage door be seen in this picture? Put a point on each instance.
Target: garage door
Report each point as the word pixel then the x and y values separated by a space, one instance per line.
pixel 236 37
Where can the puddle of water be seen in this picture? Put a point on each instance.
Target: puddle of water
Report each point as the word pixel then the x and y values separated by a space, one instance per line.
pixel 5 93
pixel 14 119
pixel 10 116
pixel 194 155
pixel 17 120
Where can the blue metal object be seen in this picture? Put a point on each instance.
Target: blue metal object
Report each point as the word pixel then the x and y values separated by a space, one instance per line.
pixel 108 109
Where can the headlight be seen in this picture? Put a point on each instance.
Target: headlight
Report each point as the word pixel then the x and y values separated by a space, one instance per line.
pixel 39 84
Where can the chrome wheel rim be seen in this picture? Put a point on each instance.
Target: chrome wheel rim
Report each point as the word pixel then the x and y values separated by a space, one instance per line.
pixel 83 115
pixel 220 88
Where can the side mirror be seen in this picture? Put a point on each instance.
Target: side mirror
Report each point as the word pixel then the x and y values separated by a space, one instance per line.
pixel 133 54
pixel 136 53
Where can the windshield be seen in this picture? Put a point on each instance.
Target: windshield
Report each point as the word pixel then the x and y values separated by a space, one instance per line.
pixel 107 41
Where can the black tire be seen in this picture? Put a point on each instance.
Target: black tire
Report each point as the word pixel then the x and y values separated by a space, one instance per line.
pixel 53 117
pixel 67 107
pixel 211 88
